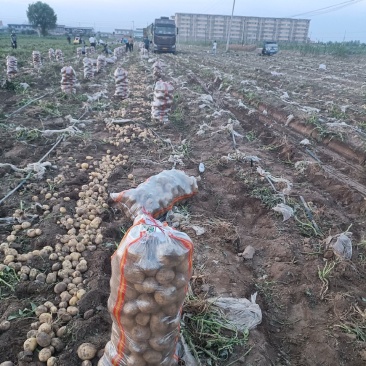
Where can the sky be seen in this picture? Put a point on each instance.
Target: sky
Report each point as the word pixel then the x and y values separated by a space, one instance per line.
pixel 347 23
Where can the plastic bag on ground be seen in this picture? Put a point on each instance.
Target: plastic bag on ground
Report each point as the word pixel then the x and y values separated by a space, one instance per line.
pixel 150 274
pixel 342 247
pixel 158 194
pixel 244 314
pixel 286 211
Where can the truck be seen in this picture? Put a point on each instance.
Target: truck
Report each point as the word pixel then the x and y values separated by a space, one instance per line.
pixel 164 35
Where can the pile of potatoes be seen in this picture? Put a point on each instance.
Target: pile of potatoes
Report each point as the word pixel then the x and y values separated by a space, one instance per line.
pixel 152 285
pixel 68 264
pixel 126 134
pixel 157 195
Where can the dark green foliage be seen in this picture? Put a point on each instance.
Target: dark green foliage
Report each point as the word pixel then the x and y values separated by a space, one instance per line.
pixel 41 16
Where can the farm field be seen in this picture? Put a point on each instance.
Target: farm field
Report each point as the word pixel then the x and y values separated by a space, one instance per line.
pixel 288 129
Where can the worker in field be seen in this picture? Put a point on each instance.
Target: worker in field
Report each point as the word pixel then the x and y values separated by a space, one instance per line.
pixel 130 42
pixel 92 41
pixel 68 38
pixel 146 44
pixel 127 43
pixel 13 38
pixel 214 47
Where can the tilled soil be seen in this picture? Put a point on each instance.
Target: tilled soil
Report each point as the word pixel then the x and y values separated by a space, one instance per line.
pixel 230 113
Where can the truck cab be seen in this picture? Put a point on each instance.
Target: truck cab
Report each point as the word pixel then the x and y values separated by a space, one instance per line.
pixel 164 35
pixel 269 48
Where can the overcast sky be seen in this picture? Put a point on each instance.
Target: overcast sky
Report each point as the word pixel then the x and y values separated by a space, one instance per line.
pixel 347 23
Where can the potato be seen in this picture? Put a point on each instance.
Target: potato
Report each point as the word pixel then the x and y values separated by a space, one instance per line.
pixel 172 309
pixel 130 308
pixel 52 361
pixel 147 304
pixel 135 360
pixel 159 323
pixel 139 333
pixel 165 275
pixel 43 339
pixel 44 354
pixel 148 286
pixel 142 319
pixel 45 327
pixel 152 356
pixel 30 344
pixel 131 293
pixel 87 351
pixel 137 347
pixel 183 267
pixel 57 344
pixel 86 363
pixel 181 295
pixel 133 274
pixel 162 344
pixel 166 295
pixel 127 322
pixel 180 280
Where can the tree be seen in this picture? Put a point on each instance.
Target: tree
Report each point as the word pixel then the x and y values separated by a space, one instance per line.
pixel 41 16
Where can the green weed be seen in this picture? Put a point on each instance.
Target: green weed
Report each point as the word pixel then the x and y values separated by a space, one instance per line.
pixel 209 335
pixel 266 196
pixel 25 313
pixel 8 280
pixel 324 275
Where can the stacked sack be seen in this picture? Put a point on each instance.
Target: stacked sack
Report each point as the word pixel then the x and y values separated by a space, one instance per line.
pixel 11 67
pixel 163 100
pixel 68 80
pixel 51 54
pixel 37 63
pixel 158 194
pixel 88 68
pixel 158 69
pixel 79 53
pixel 121 80
pixel 59 56
pixel 101 62
pixel 150 274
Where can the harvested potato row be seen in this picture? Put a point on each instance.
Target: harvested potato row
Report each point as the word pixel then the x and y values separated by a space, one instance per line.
pixel 152 285
pixel 158 194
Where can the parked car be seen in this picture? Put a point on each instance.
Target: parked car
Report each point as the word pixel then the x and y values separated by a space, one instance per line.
pixel 269 48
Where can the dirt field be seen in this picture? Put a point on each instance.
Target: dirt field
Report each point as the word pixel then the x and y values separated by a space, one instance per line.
pixel 235 113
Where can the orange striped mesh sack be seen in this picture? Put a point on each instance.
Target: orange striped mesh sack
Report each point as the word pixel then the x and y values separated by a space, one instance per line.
pixel 150 273
pixel 158 194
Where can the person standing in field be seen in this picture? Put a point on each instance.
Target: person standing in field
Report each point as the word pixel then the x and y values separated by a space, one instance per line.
pixel 68 38
pixel 127 44
pixel 130 42
pixel 13 38
pixel 92 41
pixel 214 47
pixel 147 43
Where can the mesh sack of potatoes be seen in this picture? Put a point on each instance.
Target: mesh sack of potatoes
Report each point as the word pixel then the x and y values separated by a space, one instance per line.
pixel 158 194
pixel 150 273
pixel 163 100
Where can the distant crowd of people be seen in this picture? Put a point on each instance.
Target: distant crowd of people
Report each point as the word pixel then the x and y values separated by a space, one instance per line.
pixel 127 41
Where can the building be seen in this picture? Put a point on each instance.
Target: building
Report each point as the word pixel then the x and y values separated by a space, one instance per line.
pixel 244 29
pixel 21 28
